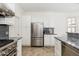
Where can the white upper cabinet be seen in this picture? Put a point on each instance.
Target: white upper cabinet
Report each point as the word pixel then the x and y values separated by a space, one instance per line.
pixel 37 18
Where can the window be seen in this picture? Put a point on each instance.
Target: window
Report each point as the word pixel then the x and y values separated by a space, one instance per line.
pixel 71 24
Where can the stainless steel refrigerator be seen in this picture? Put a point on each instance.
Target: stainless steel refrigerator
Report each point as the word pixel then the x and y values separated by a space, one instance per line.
pixel 37 37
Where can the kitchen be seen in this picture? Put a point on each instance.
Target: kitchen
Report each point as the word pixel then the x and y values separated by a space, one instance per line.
pixel 37 29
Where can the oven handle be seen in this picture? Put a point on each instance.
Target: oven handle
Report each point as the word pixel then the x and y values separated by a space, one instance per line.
pixel 11 52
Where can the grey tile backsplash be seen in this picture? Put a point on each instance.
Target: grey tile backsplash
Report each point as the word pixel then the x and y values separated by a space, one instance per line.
pixel 75 35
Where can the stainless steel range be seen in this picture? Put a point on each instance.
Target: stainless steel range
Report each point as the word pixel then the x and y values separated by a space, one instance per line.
pixel 8 48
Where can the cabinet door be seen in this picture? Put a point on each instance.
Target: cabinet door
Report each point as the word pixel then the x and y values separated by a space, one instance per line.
pixel 46 40
pixel 37 18
pixel 58 48
pixel 26 30
pixel 13 29
pixel 19 47
pixel 49 40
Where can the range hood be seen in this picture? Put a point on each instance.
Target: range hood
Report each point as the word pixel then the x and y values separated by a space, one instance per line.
pixel 6 13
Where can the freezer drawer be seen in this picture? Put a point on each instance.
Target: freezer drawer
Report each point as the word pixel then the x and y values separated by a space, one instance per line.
pixel 37 42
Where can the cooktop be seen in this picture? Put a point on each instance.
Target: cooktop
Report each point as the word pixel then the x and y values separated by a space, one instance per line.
pixel 5 42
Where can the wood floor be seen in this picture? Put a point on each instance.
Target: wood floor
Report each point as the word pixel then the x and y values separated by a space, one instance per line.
pixel 38 51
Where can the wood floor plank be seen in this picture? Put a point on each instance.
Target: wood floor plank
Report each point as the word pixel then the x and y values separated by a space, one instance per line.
pixel 38 51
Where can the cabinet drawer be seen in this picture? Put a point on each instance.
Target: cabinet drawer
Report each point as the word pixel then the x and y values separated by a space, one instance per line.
pixel 37 42
pixel 49 40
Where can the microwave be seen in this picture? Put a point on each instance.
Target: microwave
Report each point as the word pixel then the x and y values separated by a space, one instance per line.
pixel 48 31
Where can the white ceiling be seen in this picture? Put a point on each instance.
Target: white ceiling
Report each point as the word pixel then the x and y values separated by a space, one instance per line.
pixel 56 7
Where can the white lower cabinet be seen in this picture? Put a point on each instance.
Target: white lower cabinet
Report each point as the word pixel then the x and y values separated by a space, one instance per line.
pixel 58 48
pixel 49 40
pixel 19 47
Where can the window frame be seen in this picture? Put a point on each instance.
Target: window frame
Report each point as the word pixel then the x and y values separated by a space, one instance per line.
pixel 71 25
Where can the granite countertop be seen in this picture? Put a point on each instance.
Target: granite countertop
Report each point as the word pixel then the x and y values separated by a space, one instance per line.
pixel 69 40
pixel 15 38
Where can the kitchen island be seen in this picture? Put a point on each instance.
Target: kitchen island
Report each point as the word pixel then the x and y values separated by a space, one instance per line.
pixel 66 46
pixel 11 46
